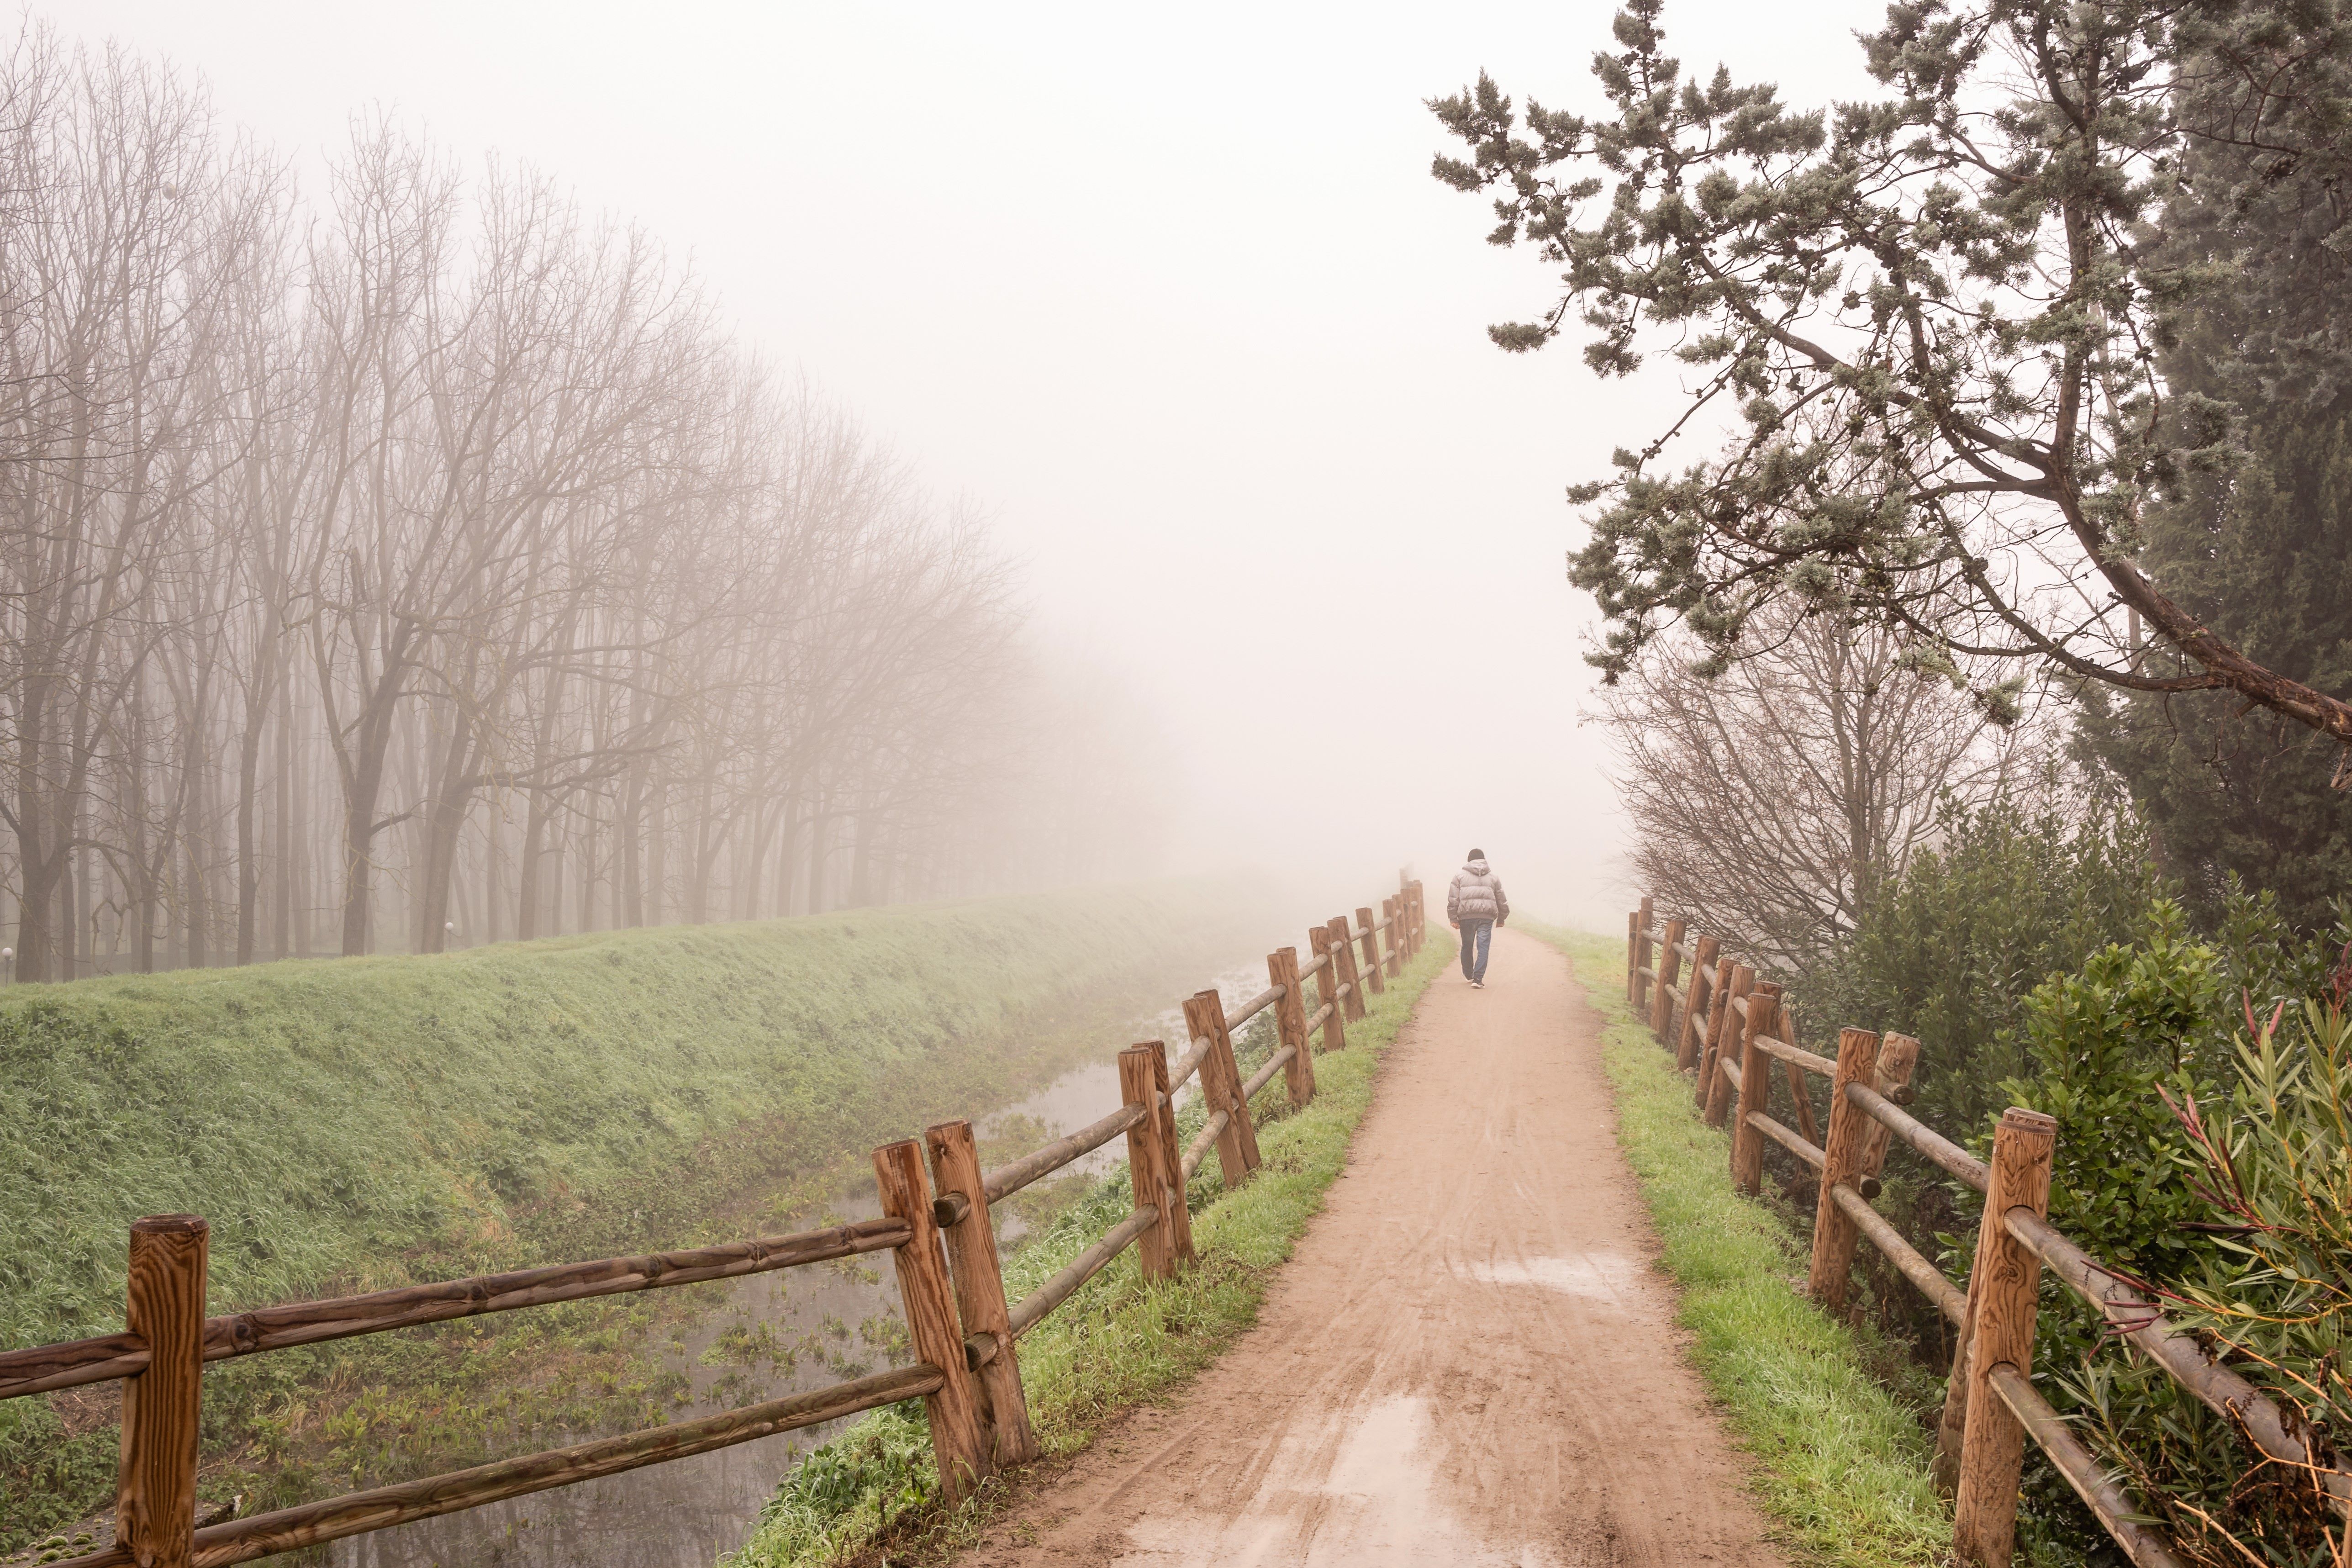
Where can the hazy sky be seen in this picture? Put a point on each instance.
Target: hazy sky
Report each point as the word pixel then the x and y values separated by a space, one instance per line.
pixel 1170 293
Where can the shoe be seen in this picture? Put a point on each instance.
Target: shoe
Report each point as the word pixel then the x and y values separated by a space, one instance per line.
pixel 1477 985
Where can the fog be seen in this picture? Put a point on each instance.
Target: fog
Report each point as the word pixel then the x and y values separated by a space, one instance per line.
pixel 1170 301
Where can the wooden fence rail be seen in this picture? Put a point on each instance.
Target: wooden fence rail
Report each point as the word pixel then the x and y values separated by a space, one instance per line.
pixel 935 1224
pixel 1726 1026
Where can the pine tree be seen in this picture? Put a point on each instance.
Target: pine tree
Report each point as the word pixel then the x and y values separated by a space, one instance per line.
pixel 2262 552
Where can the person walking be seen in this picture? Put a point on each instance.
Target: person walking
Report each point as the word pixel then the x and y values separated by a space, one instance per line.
pixel 1474 906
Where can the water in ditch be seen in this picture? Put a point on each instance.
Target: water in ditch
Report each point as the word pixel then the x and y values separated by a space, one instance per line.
pixel 775 1334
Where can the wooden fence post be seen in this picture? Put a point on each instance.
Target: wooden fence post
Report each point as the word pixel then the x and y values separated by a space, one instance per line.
pixel 1952 1425
pixel 1417 920
pixel 1290 1021
pixel 1179 1216
pixel 1755 1088
pixel 2001 1290
pixel 959 1437
pixel 1327 990
pixel 1897 1054
pixel 155 1516
pixel 1392 912
pixel 1221 1087
pixel 979 1289
pixel 1154 1165
pixel 1705 984
pixel 1670 968
pixel 1714 1093
pixel 1371 954
pixel 1641 957
pixel 1842 1158
pixel 1632 954
pixel 1343 954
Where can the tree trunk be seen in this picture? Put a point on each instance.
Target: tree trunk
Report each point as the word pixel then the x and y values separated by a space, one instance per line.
pixel 248 788
pixel 656 852
pixel 527 879
pixel 281 900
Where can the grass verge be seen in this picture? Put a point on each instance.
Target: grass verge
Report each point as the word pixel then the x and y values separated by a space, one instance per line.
pixel 1841 1459
pixel 352 1124
pixel 867 1496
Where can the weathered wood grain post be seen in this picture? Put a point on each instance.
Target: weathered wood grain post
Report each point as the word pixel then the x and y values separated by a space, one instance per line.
pixel 1632 954
pixel 1841 1159
pixel 1326 989
pixel 1714 1091
pixel 1343 954
pixel 1707 976
pixel 155 1517
pixel 980 1289
pixel 1290 1023
pixel 1670 968
pixel 1642 959
pixel 1179 1217
pixel 1416 924
pixel 1951 1426
pixel 1755 1088
pixel 1897 1054
pixel 1370 938
pixel 1221 1087
pixel 2002 1290
pixel 1392 917
pixel 1154 1164
pixel 960 1438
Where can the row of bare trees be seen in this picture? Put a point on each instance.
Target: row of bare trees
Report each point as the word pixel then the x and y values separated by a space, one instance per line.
pixel 425 561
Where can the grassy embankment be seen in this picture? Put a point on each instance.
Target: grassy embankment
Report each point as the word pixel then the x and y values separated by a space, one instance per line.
pixel 867 1497
pixel 1841 1458
pixel 361 1123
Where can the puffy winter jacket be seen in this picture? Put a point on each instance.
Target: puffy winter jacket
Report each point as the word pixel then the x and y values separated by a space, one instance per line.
pixel 1476 895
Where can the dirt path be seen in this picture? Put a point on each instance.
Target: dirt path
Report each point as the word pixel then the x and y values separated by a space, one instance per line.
pixel 1469 1360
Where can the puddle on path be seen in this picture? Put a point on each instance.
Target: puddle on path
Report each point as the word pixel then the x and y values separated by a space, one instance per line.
pixel 1358 1489
pixel 1595 1275
pixel 775 1334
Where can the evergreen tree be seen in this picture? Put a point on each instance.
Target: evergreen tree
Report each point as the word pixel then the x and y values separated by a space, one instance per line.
pixel 2260 551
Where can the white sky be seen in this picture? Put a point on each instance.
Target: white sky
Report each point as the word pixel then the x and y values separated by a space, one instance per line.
pixel 1170 292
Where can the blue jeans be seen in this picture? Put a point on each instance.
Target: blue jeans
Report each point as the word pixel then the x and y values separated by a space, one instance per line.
pixel 1476 936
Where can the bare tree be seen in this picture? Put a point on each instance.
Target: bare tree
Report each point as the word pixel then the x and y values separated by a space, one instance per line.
pixel 430 561
pixel 1772 801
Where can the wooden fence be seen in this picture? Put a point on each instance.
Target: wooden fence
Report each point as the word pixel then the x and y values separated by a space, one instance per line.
pixel 936 1227
pixel 1730 1028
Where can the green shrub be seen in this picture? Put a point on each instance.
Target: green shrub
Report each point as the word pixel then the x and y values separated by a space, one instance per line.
pixel 2141 1030
pixel 1951 949
pixel 2102 1046
pixel 2040 961
pixel 2272 1292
